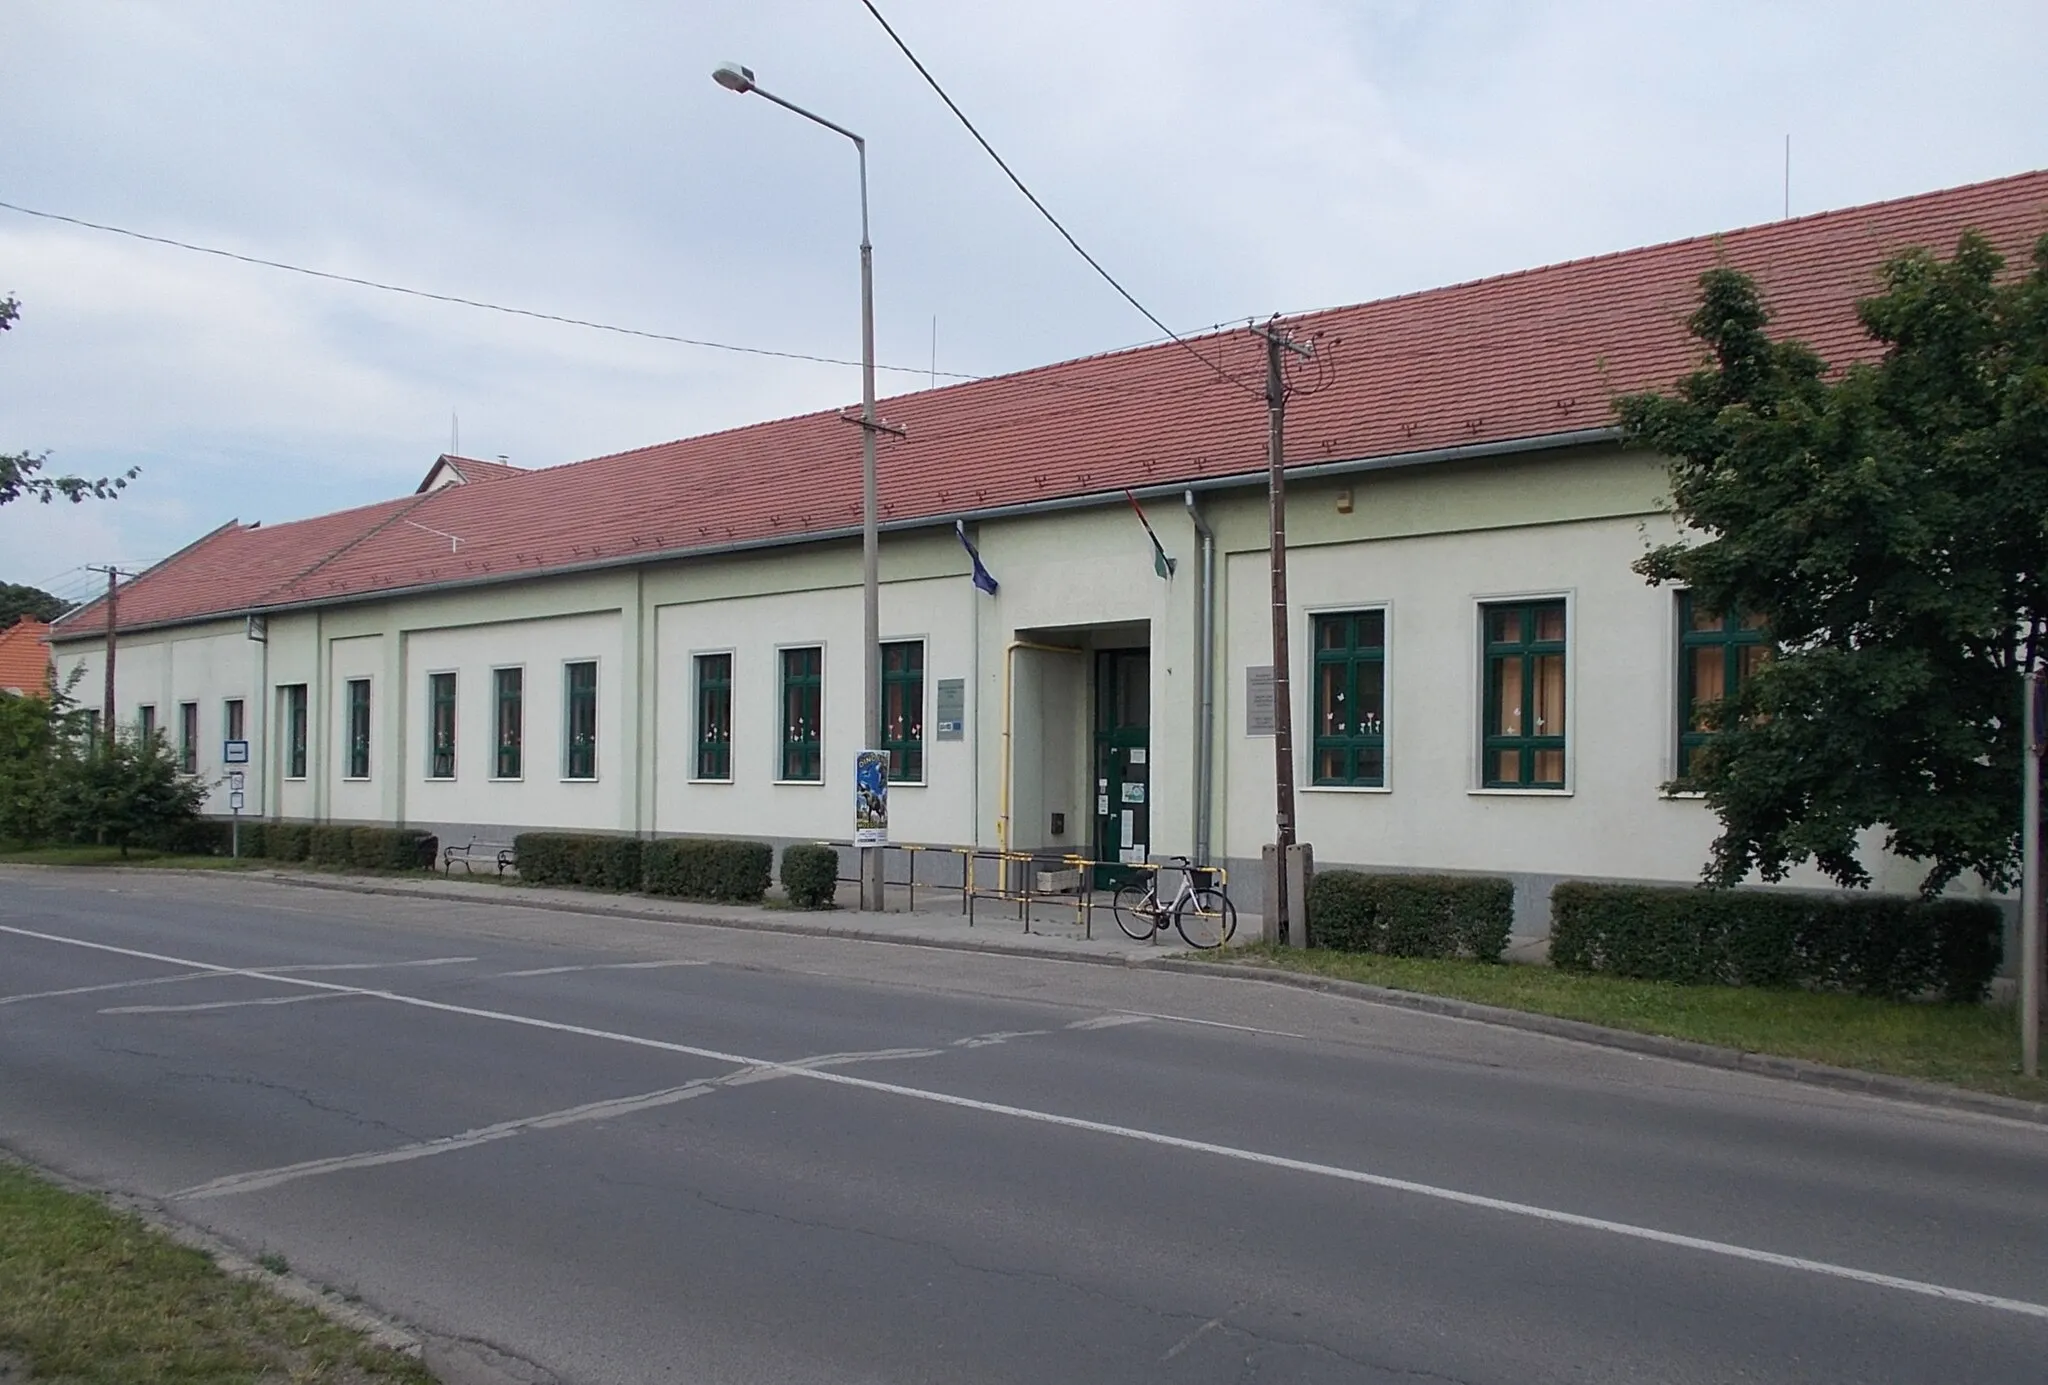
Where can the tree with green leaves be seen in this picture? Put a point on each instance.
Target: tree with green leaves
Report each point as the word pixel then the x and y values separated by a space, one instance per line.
pixel 17 600
pixel 120 788
pixel 18 469
pixel 1888 522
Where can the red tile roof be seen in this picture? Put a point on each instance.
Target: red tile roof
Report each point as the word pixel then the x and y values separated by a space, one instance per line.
pixel 1520 356
pixel 25 657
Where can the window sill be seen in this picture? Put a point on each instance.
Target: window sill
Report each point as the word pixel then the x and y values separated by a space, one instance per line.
pixel 799 783
pixel 439 779
pixel 507 779
pixel 295 779
pixel 726 780
pixel 1683 796
pixel 1345 788
pixel 356 779
pixel 1504 792
pixel 579 779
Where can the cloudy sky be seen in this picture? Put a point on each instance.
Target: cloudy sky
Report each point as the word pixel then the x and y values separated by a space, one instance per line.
pixel 1226 158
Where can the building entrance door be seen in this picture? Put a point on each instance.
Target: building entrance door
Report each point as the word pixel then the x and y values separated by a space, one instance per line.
pixel 1123 770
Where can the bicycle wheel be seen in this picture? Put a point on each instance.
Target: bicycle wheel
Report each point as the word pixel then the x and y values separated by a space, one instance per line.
pixel 1137 912
pixel 1205 917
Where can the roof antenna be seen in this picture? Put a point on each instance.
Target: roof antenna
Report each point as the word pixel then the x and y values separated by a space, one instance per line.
pixel 1788 176
pixel 454 434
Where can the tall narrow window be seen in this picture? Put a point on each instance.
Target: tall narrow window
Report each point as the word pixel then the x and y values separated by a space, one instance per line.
pixel 145 721
pixel 295 731
pixel 232 719
pixel 188 737
pixel 1717 654
pixel 441 725
pixel 1523 745
pixel 714 716
pixel 579 760
pixel 359 728
pixel 1351 699
pixel 508 689
pixel 903 710
pixel 803 700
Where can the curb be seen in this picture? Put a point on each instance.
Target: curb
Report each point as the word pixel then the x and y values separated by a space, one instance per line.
pixel 1649 1045
pixel 567 904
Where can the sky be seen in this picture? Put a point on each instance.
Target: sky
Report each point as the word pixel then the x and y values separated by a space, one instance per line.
pixel 1225 159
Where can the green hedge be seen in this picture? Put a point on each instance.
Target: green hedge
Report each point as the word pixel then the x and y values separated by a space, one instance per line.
pixel 1411 915
pixel 287 841
pixel 192 837
pixel 1870 946
pixel 392 848
pixel 707 868
pixel 255 839
pixel 590 859
pixel 330 846
pixel 810 875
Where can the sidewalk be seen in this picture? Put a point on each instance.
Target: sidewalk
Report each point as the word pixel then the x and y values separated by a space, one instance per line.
pixel 936 921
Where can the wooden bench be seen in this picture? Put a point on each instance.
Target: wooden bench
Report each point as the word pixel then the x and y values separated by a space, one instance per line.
pixel 473 851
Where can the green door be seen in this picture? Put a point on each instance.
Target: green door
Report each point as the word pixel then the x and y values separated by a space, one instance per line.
pixel 1123 769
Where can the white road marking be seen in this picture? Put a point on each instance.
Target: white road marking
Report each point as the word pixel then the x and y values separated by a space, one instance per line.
pixel 1000 1036
pixel 1109 1021
pixel 610 1109
pixel 597 966
pixel 218 1005
pixel 1626 1230
pixel 232 971
pixel 1219 1024
pixel 1184 1343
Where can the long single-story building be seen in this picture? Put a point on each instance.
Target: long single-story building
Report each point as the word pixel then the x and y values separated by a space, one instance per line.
pixel 667 640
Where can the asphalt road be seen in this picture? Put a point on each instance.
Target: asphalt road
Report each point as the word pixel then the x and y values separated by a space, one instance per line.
pixel 624 1151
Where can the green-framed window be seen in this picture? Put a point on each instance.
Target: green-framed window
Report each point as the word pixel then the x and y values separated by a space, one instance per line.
pixel 1717 654
pixel 579 742
pixel 903 710
pixel 295 731
pixel 145 720
pixel 188 737
pixel 440 726
pixel 1350 745
pixel 231 718
pixel 1523 740
pixel 508 703
pixel 359 728
pixel 803 711
pixel 714 716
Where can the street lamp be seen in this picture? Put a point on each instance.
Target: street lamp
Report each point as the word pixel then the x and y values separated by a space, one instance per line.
pixel 735 78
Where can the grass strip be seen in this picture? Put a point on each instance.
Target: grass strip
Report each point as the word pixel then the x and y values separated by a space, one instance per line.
pixel 1975 1046
pixel 91 1296
pixel 111 856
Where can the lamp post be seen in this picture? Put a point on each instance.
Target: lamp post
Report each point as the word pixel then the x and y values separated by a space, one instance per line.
pixel 739 79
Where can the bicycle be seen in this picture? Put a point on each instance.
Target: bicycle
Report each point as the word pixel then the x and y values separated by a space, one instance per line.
pixel 1204 914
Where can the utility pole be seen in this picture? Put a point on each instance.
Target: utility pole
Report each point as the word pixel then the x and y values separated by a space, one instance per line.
pixel 114 575
pixel 2035 723
pixel 1288 924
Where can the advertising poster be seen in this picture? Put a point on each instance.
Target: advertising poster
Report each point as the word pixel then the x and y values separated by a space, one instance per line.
pixel 871 798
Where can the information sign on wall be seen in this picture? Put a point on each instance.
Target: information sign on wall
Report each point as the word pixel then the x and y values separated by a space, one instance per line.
pixel 952 709
pixel 1258 701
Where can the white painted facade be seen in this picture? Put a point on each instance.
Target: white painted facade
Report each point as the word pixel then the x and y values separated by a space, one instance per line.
pixel 1430 545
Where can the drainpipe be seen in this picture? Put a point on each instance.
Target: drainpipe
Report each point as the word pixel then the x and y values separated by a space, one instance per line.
pixel 1205 661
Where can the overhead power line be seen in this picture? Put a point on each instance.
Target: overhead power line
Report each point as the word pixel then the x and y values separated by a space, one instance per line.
pixel 1043 211
pixel 469 302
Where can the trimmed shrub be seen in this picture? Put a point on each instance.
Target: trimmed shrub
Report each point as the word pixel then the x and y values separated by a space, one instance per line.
pixel 707 868
pixel 192 837
pixel 1878 946
pixel 1411 915
pixel 590 859
pixel 330 846
pixel 810 875
pixel 391 848
pixel 255 839
pixel 287 841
